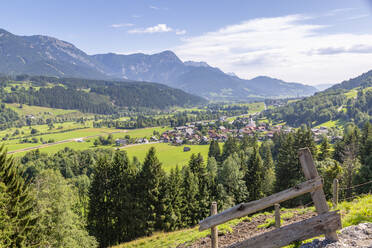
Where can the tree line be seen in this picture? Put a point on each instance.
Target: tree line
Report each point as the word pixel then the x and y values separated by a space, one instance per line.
pixel 94 96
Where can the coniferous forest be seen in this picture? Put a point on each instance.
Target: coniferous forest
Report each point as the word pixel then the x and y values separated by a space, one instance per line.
pixel 101 198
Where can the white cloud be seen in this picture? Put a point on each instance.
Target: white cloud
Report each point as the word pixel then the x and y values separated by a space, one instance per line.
pixel 338 11
pixel 180 32
pixel 160 28
pixel 154 7
pixel 122 25
pixel 157 8
pixel 358 17
pixel 285 47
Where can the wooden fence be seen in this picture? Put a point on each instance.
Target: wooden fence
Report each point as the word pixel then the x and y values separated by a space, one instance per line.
pixel 324 223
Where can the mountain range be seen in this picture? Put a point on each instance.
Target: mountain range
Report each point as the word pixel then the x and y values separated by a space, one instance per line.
pixel 48 56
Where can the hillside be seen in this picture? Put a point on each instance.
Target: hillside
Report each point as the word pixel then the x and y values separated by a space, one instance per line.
pixel 92 96
pixel 348 101
pixel 48 56
pixel 353 213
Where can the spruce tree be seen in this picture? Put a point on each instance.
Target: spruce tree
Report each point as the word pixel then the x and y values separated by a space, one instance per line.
pixel 230 147
pixel 123 175
pixel 100 222
pixel 365 173
pixel 150 182
pixel 173 201
pixel 287 169
pixel 6 227
pixel 212 173
pixel 255 176
pixel 198 168
pixel 304 138
pixel 214 150
pixel 325 149
pixel 268 163
pixel 190 204
pixel 366 143
pixel 16 193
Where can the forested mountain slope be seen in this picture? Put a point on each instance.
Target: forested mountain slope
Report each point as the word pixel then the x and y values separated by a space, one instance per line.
pixel 94 96
pixel 348 101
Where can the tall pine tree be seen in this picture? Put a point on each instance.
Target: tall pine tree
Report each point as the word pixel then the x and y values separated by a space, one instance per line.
pixel 230 147
pixel 190 204
pixel 122 194
pixel 173 201
pixel 19 204
pixel 150 182
pixel 199 169
pixel 214 150
pixel 100 217
pixel 255 176
pixel 365 172
pixel 325 149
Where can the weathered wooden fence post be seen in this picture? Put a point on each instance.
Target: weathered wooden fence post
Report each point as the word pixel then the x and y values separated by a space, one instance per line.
pixel 319 199
pixel 214 229
pixel 277 215
pixel 335 192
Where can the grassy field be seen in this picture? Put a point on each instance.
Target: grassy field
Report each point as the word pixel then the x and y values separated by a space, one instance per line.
pixel 170 156
pixel 355 212
pixel 351 94
pixel 13 145
pixel 354 92
pixel 253 108
pixel 37 111
pixel 26 130
pixel 329 124
pixel 146 132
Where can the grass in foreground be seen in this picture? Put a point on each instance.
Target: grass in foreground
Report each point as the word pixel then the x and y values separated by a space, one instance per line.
pixel 353 213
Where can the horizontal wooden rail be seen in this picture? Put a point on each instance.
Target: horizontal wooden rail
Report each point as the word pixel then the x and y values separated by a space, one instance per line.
pixel 244 209
pixel 315 226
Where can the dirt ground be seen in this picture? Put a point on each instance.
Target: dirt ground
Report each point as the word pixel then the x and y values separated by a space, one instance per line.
pixel 245 230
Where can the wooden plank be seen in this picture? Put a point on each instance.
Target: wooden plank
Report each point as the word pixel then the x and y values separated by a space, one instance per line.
pixel 214 230
pixel 277 215
pixel 318 196
pixel 244 209
pixel 335 193
pixel 306 229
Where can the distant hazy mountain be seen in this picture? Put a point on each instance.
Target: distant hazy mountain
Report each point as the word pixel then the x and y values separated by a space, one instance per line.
pixel 43 55
pixel 198 77
pixel 321 87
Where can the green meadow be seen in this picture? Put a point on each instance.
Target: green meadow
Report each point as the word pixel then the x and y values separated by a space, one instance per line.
pixel 170 156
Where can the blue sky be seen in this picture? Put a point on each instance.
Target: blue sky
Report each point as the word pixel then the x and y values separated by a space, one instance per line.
pixel 311 42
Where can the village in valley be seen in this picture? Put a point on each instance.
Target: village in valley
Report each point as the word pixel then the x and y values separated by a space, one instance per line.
pixel 203 132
